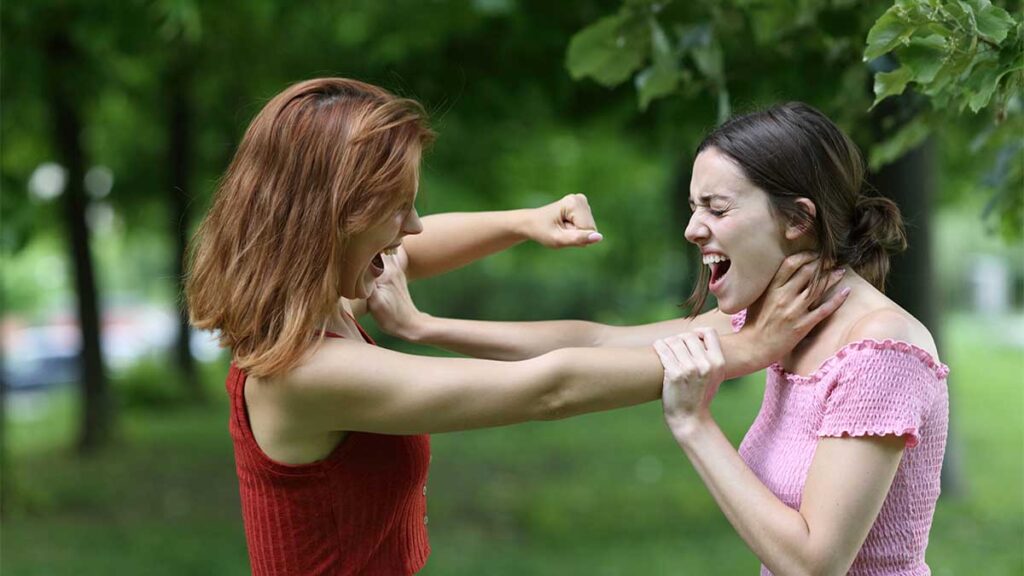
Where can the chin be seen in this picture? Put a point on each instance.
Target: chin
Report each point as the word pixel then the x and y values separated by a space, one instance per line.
pixel 735 303
pixel 728 307
pixel 360 291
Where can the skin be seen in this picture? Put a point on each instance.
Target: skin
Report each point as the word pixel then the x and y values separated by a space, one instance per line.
pixel 722 196
pixel 362 248
pixel 436 245
pixel 849 478
pixel 345 384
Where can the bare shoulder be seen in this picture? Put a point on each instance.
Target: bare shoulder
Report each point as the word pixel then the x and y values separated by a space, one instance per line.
pixel 890 322
pixel 335 362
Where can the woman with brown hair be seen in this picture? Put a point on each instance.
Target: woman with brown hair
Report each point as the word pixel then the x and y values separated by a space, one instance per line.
pixel 840 471
pixel 329 430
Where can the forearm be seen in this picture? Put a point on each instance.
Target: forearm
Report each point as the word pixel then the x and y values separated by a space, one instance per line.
pixel 501 340
pixel 777 534
pixel 452 240
pixel 519 340
pixel 592 380
pixel 744 353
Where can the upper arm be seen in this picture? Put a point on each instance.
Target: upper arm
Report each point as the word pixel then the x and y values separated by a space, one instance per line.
pixel 646 334
pixel 847 483
pixel 850 476
pixel 357 387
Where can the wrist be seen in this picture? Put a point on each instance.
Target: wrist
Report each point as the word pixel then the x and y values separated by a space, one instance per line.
pixel 417 329
pixel 749 353
pixel 523 223
pixel 688 428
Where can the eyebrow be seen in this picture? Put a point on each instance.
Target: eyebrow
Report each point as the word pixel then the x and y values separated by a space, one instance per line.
pixel 707 198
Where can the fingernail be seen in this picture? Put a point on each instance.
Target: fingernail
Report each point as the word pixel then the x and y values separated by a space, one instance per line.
pixel 594 237
pixel 839 273
pixel 846 291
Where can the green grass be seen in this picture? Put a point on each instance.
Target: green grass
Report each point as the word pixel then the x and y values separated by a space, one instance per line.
pixel 602 494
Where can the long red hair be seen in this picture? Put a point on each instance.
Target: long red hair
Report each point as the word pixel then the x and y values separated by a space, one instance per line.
pixel 324 159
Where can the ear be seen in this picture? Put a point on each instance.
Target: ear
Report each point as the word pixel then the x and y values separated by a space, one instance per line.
pixel 794 230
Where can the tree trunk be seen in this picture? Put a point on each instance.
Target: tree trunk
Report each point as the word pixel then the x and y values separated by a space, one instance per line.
pixel 910 182
pixel 179 155
pixel 63 67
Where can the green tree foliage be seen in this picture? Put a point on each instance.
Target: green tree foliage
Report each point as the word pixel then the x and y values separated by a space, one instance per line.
pixel 961 55
pixel 956 56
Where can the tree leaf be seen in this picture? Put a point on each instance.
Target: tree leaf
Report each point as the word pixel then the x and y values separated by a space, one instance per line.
pixel 925 57
pixel 724 105
pixel 661 52
pixel 984 81
pixel 655 82
pixel 904 140
pixel 708 59
pixel 693 36
pixel 609 51
pixel 888 32
pixel 994 23
pixel 663 76
pixel 891 83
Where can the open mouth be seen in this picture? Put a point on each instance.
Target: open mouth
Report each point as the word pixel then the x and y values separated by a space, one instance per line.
pixel 377 265
pixel 719 268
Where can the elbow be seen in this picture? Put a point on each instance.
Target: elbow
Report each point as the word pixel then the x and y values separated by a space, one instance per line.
pixel 828 561
pixel 553 405
pixel 817 564
pixel 810 557
pixel 552 399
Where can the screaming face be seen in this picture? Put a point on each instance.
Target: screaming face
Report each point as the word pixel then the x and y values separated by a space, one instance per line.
pixel 733 224
pixel 363 262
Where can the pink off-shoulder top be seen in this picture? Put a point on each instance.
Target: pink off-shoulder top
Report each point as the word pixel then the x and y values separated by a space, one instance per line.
pixel 867 388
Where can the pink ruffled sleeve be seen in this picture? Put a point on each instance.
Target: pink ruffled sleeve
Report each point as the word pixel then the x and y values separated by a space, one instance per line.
pixel 885 389
pixel 738 320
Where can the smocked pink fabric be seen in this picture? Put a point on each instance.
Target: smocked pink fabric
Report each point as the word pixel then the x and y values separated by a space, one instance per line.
pixel 868 388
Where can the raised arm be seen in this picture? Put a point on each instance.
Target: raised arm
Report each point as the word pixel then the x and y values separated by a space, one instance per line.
pixel 452 240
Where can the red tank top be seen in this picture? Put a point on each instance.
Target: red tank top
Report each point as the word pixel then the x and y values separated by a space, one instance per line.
pixel 359 511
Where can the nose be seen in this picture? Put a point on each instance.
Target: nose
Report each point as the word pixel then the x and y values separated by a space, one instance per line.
pixel 696 231
pixel 412 224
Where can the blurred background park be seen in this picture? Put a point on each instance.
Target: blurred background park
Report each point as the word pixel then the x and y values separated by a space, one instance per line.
pixel 119 116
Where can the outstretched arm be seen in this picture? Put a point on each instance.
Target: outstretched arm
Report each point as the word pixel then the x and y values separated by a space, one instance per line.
pixel 784 315
pixel 352 386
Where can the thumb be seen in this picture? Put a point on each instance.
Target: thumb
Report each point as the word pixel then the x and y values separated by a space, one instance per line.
pixel 583 237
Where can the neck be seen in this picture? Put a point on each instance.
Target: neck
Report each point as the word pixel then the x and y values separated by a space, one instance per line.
pixel 859 289
pixel 342 322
